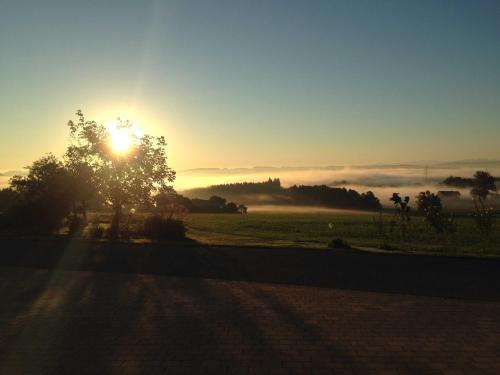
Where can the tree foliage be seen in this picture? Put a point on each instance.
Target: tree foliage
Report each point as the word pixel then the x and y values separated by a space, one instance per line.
pixel 402 206
pixel 45 196
pixel 133 177
pixel 429 204
pixel 484 185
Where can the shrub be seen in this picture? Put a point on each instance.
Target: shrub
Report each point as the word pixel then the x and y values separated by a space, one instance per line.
pixel 125 232
pixel 338 243
pixel 75 224
pixel 430 206
pixel 43 217
pixel 96 231
pixel 159 228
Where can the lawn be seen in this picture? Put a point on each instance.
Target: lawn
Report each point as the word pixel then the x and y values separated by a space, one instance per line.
pixel 316 229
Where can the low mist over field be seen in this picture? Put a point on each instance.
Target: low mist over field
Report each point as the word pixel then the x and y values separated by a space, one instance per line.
pixel 383 180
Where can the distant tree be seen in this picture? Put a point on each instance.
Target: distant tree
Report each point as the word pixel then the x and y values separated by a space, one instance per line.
pixel 402 206
pixel 168 203
pixel 130 178
pixel 45 196
pixel 242 209
pixel 217 201
pixel 459 182
pixel 430 206
pixel 484 185
pixel 231 207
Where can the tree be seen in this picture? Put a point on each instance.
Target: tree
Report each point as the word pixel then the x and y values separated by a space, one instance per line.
pixel 218 202
pixel 401 205
pixel 429 204
pixel 45 196
pixel 484 185
pixel 8 197
pixel 168 203
pixel 82 179
pixel 231 207
pixel 120 179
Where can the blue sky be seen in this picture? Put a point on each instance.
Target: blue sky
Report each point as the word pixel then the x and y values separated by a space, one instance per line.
pixel 242 83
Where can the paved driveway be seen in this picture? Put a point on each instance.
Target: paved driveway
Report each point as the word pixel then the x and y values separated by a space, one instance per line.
pixel 71 322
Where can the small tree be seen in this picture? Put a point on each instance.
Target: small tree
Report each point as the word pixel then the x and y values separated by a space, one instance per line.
pixel 484 185
pixel 429 204
pixel 168 204
pixel 402 206
pixel 402 211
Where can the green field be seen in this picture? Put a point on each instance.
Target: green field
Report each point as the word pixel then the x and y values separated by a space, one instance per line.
pixel 316 229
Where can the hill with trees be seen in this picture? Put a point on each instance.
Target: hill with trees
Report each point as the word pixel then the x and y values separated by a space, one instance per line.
pixel 271 192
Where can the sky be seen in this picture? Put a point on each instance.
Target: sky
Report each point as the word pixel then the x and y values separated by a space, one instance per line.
pixel 250 83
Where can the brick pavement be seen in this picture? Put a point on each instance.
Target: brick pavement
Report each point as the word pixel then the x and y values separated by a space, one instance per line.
pixel 69 322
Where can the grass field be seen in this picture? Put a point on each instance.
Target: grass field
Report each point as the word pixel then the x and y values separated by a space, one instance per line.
pixel 316 229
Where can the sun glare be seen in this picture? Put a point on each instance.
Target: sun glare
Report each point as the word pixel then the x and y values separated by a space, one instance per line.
pixel 123 136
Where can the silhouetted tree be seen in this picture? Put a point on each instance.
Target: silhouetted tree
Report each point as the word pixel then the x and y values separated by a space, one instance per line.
pixel 429 204
pixel 231 207
pixel 402 206
pixel 45 196
pixel 217 201
pixel 484 185
pixel 169 203
pixel 78 161
pixel 130 178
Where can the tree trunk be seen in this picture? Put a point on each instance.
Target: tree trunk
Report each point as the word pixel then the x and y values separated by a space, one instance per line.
pixel 75 211
pixel 84 212
pixel 115 223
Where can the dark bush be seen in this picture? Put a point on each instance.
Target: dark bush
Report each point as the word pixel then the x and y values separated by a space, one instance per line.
pixel 338 243
pixel 125 232
pixel 96 231
pixel 8 198
pixel 75 224
pixel 37 217
pixel 159 228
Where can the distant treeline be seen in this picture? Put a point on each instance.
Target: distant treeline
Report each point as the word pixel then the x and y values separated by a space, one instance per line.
pixel 271 192
pixel 271 186
pixel 214 204
pixel 462 182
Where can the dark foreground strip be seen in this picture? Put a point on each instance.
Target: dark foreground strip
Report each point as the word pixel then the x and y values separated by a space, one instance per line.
pixel 407 274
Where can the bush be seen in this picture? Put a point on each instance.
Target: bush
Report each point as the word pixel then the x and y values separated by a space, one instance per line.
pixel 75 224
pixel 159 228
pixel 338 243
pixel 430 206
pixel 43 217
pixel 96 231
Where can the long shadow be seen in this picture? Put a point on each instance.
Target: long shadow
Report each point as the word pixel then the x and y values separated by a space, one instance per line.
pixel 407 274
pixel 115 323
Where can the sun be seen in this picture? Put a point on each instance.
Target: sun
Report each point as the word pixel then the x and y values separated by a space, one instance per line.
pixel 123 135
